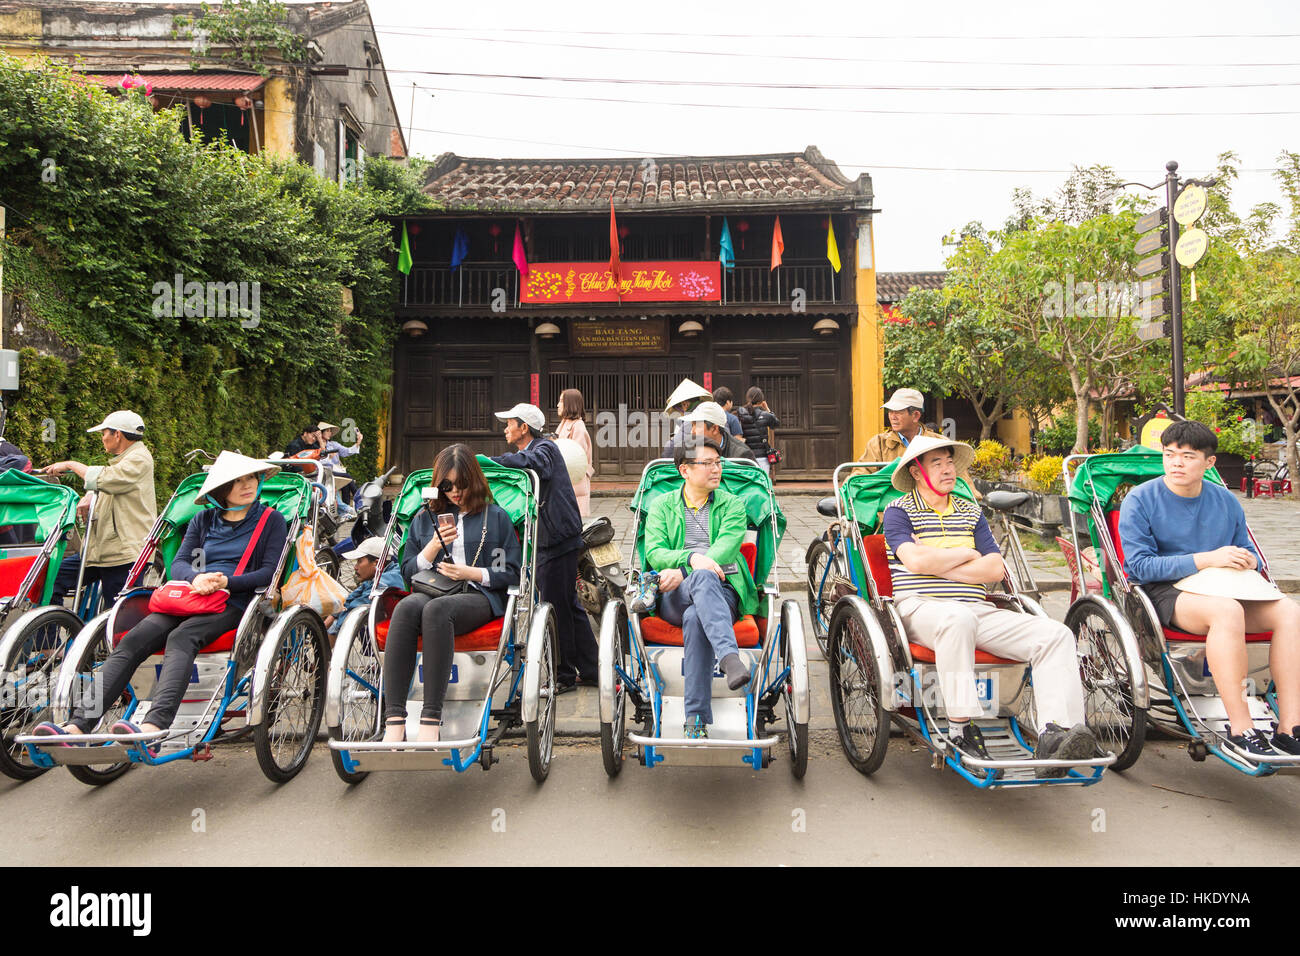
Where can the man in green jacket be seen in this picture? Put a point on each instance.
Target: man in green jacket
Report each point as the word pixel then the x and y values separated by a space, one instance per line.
pixel 693 540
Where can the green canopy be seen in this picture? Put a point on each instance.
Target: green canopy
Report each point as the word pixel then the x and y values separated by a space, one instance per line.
pixel 749 483
pixel 511 488
pixel 26 499
pixel 1098 476
pixel 289 492
pixel 864 497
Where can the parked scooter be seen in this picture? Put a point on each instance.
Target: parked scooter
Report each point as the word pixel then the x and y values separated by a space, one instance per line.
pixel 601 577
pixel 369 522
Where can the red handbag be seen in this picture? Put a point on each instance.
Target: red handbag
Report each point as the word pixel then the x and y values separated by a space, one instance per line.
pixel 179 598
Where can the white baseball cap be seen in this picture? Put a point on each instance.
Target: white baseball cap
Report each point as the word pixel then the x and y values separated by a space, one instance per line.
pixel 710 412
pixel 372 547
pixel 124 421
pixel 530 415
pixel 905 398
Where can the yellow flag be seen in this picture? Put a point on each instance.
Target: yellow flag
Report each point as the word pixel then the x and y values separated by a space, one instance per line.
pixel 832 250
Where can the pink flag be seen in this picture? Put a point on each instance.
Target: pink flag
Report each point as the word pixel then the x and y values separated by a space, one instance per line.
pixel 521 260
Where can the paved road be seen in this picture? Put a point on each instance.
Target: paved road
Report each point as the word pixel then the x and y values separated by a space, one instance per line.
pixel 1167 810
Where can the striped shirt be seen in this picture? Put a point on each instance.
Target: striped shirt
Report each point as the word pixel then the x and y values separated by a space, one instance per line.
pixel 696 523
pixel 962 525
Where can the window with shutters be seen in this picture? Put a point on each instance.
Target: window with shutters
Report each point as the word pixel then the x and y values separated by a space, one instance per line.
pixel 467 403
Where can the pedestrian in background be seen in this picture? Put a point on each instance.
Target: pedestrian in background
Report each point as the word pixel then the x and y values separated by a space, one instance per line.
pixel 570 409
pixel 755 419
pixel 723 396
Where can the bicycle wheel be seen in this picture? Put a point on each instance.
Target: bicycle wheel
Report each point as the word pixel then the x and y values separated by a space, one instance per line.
pixel 1114 719
pixel 295 696
pixel 857 686
pixel 30 668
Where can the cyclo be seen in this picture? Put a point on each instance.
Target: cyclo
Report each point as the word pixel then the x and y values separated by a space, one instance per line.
pixel 267 676
pixel 1184 701
pixel 641 658
pixel 879 678
pixel 36 633
pixel 504 670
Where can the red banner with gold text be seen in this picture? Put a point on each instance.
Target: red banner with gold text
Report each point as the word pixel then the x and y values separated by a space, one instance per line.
pixel 556 283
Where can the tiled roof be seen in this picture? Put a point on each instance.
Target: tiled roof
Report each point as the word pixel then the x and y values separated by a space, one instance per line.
pixel 651 183
pixel 892 286
pixel 188 81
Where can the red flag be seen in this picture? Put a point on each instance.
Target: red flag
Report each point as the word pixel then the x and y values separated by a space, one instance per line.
pixel 517 254
pixel 615 264
pixel 778 244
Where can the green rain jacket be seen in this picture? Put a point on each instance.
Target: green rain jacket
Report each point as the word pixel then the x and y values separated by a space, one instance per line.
pixel 665 535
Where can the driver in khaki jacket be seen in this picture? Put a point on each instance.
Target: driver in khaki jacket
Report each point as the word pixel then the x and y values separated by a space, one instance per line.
pixel 125 507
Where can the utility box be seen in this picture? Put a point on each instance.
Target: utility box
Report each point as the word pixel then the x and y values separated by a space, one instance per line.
pixel 8 370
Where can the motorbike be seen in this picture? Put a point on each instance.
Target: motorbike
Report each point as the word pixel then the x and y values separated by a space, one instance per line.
pixel 369 522
pixel 601 577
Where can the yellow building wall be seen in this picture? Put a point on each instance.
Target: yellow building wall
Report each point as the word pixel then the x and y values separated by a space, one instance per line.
pixel 23 30
pixel 279 118
pixel 866 345
pixel 1014 432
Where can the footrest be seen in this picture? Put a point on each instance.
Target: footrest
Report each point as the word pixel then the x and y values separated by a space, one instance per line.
pixel 369 755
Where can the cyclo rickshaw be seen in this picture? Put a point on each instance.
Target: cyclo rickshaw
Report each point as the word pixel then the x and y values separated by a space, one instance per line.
pixel 642 658
pixel 35 632
pixel 880 678
pixel 1184 701
pixel 267 676
pixel 504 670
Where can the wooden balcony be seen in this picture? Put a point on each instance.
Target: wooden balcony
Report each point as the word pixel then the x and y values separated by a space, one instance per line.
pixel 477 286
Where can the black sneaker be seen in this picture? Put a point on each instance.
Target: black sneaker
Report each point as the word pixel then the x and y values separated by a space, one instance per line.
pixel 970 742
pixel 1251 744
pixel 1056 743
pixel 1289 744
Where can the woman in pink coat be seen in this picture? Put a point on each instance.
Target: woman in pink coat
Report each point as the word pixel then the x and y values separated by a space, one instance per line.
pixel 570 410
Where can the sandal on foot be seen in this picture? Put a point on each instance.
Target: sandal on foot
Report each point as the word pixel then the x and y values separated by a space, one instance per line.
pixel 433 723
pixel 127 727
pixel 394 722
pixel 48 729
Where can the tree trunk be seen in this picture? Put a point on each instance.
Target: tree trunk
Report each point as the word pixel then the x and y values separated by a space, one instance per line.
pixel 1081 407
pixel 1107 422
pixel 1289 417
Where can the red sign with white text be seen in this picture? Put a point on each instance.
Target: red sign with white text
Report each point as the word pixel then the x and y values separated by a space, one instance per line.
pixel 552 283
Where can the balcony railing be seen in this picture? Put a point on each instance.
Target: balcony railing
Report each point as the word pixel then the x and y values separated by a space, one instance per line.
pixel 482 285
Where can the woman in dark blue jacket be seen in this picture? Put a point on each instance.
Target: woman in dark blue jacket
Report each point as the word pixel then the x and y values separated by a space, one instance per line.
pixel 210 553
pixel 475 543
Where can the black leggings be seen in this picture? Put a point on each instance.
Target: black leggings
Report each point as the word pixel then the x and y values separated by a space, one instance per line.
pixel 439 620
pixel 183 638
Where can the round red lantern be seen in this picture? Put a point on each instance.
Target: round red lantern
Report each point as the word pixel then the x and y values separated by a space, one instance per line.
pixel 743 225
pixel 494 230
pixel 623 231
pixel 202 102
pixel 244 102
pixel 413 228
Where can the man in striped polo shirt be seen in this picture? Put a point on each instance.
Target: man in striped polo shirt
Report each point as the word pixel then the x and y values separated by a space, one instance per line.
pixel 941 556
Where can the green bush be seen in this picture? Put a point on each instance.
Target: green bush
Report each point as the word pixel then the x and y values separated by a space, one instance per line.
pixel 992 460
pixel 1237 434
pixel 1045 475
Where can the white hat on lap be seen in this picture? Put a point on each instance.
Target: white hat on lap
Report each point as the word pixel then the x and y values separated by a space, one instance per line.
pixel 1236 583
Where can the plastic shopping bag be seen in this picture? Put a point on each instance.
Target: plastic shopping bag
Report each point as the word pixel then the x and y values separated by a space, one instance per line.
pixel 309 585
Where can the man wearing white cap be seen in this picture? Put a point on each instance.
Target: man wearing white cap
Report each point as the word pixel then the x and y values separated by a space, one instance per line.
pixel 367 558
pixel 1179 531
pixel 708 420
pixel 941 556
pixel 559 539
pixel 125 507
pixel 684 397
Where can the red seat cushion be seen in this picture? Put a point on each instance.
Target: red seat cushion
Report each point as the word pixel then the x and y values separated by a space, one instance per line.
pixel 926 656
pixel 483 638
pixel 749 552
pixel 223 643
pixel 878 563
pixel 12 572
pixel 1173 635
pixel 656 630
pixel 1112 522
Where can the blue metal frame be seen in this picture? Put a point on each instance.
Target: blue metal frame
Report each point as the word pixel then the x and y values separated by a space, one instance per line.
pixel 1262 770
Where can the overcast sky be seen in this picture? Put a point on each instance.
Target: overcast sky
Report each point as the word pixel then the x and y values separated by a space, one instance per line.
pixel 937 158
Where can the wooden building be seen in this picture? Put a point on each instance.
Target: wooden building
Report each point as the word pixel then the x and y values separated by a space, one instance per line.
pixel 480 336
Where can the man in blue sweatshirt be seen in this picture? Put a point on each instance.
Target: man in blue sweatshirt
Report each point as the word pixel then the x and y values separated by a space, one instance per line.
pixel 367 559
pixel 1181 524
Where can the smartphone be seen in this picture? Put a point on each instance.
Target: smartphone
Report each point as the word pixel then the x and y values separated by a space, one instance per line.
pixel 447 520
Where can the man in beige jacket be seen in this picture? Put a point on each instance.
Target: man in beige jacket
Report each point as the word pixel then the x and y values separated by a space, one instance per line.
pixel 904 408
pixel 125 507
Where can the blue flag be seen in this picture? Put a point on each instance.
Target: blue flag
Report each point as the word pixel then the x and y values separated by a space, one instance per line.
pixel 726 251
pixel 459 248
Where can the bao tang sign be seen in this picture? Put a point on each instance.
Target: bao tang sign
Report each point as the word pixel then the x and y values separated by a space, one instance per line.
pixel 621 336
pixel 560 282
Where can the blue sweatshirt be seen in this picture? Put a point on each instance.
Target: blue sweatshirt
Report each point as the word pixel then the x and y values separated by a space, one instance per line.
pixel 1159 531
pixel 222 544
pixel 359 595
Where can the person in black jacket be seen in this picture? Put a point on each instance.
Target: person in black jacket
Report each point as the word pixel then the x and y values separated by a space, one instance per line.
pixel 756 418
pixel 309 440
pixel 558 543
pixel 218 536
pixel 475 542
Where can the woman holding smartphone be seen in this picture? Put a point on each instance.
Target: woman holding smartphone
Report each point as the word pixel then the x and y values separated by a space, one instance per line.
pixel 465 537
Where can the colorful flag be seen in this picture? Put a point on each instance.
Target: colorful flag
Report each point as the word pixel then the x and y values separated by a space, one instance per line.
pixel 832 250
pixel 459 248
pixel 521 260
pixel 726 251
pixel 404 254
pixel 778 244
pixel 615 264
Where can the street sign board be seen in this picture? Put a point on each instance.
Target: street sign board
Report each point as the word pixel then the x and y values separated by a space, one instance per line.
pixel 1191 247
pixel 1152 264
pixel 1190 205
pixel 1153 307
pixel 1151 220
pixel 1151 242
pixel 1148 331
pixel 1154 286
